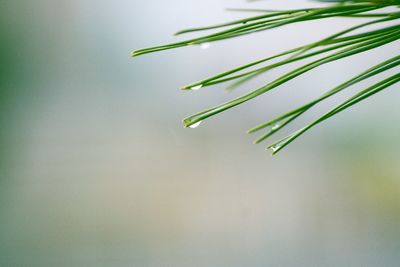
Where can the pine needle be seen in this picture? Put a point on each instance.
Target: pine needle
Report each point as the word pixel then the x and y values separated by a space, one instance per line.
pixel 340 45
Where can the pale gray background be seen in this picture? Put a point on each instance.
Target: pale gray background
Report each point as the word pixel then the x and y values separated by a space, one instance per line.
pixel 96 169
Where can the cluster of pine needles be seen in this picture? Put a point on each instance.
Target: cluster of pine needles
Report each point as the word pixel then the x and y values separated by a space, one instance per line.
pixel 379 29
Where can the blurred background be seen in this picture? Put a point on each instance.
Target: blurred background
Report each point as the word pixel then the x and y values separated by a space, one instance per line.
pixel 97 170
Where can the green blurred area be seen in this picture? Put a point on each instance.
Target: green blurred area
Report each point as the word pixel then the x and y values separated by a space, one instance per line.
pixel 96 169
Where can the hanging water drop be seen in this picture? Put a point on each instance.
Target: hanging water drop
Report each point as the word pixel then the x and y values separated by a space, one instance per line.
pixel 205 45
pixel 274 148
pixel 275 127
pixel 197 87
pixel 195 125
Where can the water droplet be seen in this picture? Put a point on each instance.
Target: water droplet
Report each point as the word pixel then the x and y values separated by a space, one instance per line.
pixel 205 45
pixel 275 127
pixel 197 87
pixel 195 125
pixel 275 148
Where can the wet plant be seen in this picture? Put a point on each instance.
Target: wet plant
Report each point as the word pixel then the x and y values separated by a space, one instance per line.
pixel 382 27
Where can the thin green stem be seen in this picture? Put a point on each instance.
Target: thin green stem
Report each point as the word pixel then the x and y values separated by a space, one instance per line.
pixel 359 48
pixel 279 145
